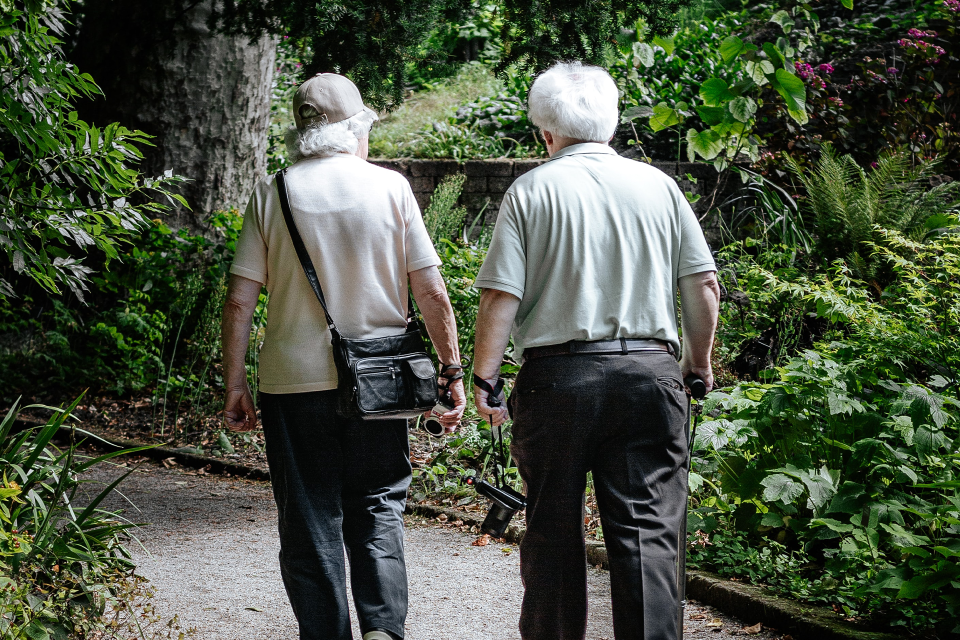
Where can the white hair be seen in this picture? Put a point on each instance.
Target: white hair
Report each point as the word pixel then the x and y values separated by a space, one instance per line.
pixel 575 100
pixel 319 139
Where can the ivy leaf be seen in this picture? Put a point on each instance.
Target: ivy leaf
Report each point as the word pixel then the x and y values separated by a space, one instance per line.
pixel 782 488
pixel 664 116
pixel 707 144
pixel 715 92
pixel 730 48
pixel 742 108
pixel 783 19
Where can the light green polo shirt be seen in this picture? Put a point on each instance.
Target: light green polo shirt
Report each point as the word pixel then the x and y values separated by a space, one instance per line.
pixel 593 244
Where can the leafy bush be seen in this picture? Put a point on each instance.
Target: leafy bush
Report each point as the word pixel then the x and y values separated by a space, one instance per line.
pixel 69 186
pixel 847 455
pixel 151 314
pixel 65 571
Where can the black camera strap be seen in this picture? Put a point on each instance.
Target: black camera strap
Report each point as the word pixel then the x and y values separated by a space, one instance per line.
pixel 493 400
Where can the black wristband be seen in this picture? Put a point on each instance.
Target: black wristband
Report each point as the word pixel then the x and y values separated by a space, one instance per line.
pixel 493 392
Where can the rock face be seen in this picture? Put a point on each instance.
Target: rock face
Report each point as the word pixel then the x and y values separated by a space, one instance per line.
pixel 204 96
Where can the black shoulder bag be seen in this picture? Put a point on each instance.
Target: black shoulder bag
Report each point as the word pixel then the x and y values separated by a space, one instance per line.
pixel 379 378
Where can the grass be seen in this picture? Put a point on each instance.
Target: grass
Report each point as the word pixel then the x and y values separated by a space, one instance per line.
pixel 432 104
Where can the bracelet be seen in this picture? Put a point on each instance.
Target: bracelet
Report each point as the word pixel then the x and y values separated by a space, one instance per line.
pixel 451 367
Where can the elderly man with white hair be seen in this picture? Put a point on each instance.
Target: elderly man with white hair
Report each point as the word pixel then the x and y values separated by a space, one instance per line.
pixel 587 256
pixel 337 481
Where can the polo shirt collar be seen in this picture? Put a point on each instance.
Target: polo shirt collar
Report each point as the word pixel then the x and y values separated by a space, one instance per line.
pixel 584 147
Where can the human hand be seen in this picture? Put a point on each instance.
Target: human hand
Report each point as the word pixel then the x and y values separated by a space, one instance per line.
pixel 495 412
pixel 704 373
pixel 451 419
pixel 239 414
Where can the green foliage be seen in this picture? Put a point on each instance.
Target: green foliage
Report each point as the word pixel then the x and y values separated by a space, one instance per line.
pixel 848 206
pixel 537 35
pixel 372 42
pixel 64 571
pixel 69 186
pixel 170 284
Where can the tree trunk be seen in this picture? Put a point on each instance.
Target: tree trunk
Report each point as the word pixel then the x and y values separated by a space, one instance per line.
pixel 204 96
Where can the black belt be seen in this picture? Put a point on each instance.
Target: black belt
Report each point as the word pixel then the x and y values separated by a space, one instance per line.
pixel 621 346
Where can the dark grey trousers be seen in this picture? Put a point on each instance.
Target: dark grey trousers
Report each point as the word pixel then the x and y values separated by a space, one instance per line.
pixel 338 482
pixel 623 417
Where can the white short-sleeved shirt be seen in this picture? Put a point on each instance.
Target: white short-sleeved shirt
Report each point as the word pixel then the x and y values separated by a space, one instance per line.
pixel 593 244
pixel 363 230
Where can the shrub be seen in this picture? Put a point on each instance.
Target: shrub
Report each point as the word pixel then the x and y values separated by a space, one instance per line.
pixel 65 571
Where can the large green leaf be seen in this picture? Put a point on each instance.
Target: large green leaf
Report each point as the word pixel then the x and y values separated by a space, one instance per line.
pixel 666 44
pixel 742 108
pixel 715 92
pixel 664 116
pixel 774 55
pixel 781 487
pixel 706 144
pixel 730 48
pixel 712 115
pixel 783 19
pixel 928 441
pixel 791 88
pixel 758 70
pixel 633 113
pixel 917 586
pixel 643 53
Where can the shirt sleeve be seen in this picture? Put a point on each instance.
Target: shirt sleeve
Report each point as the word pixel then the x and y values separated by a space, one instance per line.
pixel 695 256
pixel 250 260
pixel 505 267
pixel 417 244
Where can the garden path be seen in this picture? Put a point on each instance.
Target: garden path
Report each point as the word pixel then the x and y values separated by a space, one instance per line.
pixel 210 551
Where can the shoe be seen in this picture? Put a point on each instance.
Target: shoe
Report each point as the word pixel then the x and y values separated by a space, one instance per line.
pixel 377 634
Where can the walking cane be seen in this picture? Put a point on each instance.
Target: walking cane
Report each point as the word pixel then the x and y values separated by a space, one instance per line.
pixel 698 389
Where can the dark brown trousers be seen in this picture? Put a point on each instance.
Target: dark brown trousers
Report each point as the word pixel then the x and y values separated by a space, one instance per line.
pixel 624 418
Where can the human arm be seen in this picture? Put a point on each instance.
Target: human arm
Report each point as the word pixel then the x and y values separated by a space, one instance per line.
pixel 430 293
pixel 494 321
pixel 238 308
pixel 700 306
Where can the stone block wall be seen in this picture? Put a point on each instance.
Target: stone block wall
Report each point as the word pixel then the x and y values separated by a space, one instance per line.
pixel 488 180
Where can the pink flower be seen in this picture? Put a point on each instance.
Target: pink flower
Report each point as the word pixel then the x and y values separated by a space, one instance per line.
pixel 893 71
pixel 828 69
pixel 951 5
pixel 873 165
pixel 803 70
pixel 837 102
pixel 818 83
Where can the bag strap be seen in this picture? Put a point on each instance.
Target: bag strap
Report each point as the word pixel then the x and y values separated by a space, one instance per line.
pixel 302 254
pixel 307 263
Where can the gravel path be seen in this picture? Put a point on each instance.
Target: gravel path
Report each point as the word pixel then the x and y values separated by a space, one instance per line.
pixel 210 550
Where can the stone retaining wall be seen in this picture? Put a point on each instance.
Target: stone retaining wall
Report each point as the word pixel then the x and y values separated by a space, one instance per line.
pixel 488 180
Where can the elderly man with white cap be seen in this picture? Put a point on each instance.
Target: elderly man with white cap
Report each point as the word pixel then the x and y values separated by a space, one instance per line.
pixel 337 481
